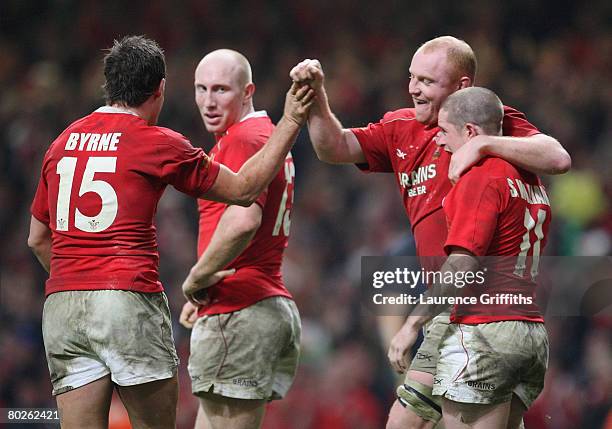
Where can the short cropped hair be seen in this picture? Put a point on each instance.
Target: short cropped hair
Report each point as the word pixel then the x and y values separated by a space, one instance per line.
pixel 476 105
pixel 133 69
pixel 242 72
pixel 459 54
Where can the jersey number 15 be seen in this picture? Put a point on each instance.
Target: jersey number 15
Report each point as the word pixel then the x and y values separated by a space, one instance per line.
pixel 105 218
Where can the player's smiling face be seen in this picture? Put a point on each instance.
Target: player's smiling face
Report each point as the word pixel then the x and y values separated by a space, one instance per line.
pixel 219 94
pixel 432 79
pixel 449 136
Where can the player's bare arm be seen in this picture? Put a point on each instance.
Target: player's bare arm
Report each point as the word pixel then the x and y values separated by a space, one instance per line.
pixel 39 241
pixel 233 234
pixel 331 142
pixel 244 187
pixel 540 154
pixel 460 260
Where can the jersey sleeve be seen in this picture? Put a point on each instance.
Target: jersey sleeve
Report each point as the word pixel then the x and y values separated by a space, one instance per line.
pixel 187 168
pixel 374 142
pixel 515 124
pixel 237 151
pixel 472 209
pixel 40 205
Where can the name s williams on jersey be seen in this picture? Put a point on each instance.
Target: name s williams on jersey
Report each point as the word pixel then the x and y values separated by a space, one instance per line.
pixel 531 193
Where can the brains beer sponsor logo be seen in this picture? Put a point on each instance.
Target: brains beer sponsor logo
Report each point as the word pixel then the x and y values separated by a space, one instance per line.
pixel 245 382
pixel 413 179
pixel 479 385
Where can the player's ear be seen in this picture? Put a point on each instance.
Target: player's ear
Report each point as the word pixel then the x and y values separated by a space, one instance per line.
pixel 464 82
pixel 249 90
pixel 471 130
pixel 161 89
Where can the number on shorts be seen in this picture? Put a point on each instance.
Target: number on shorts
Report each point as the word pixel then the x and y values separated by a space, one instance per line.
pixel 105 218
pixel 283 218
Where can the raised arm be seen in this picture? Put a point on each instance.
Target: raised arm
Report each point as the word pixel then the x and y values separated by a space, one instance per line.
pixel 540 154
pixel 331 142
pixel 243 188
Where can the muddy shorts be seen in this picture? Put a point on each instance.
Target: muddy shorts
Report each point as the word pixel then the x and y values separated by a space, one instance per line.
pixel 247 354
pixel 487 363
pixel 426 357
pixel 90 334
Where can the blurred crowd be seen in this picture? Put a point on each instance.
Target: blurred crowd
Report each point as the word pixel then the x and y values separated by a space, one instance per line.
pixel 552 60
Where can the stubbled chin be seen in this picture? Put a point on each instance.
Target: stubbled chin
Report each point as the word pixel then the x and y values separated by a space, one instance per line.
pixel 425 116
pixel 213 130
pixel 211 127
pixel 422 115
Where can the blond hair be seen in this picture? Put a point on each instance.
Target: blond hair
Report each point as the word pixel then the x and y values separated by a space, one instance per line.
pixel 458 53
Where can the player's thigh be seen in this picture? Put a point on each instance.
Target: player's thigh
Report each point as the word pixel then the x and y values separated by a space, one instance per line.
pixel 460 415
pixel 86 406
pixel 202 420
pixel 131 332
pixel 151 405
pixel 515 417
pixel 243 354
pixel 231 413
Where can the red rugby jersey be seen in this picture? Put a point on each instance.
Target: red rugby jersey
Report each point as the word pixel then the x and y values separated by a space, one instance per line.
pixel 503 212
pixel 258 267
pixel 100 184
pixel 400 144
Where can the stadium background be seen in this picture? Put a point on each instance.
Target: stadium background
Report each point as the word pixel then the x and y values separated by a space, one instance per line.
pixel 553 60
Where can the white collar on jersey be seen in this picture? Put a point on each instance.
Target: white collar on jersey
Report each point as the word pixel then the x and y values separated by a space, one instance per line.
pixel 258 114
pixel 111 109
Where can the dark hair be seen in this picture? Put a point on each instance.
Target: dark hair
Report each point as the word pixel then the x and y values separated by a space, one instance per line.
pixel 133 69
pixel 476 105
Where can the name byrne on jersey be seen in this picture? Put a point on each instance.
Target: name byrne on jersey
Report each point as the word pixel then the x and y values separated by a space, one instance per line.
pixel 93 142
pixel 414 178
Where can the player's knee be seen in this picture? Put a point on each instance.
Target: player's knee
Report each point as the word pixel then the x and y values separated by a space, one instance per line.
pixel 394 422
pixel 405 418
pixel 418 400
